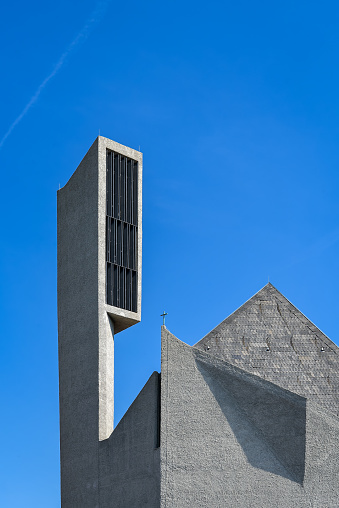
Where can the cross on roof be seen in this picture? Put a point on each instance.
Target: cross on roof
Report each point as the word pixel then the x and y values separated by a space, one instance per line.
pixel 163 317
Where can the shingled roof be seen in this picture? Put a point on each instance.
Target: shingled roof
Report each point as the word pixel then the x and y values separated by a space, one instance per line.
pixel 271 338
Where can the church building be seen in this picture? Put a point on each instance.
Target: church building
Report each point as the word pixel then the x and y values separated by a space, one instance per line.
pixel 246 418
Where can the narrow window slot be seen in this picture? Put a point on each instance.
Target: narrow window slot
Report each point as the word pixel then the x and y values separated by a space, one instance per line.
pixel 125 244
pixel 119 188
pixel 128 289
pixel 131 246
pixel 119 242
pixel 135 193
pixel 135 235
pixel 116 186
pixel 108 240
pixel 115 286
pixel 108 185
pixel 115 236
pixel 129 191
pixel 109 284
pixel 122 189
pixel 125 191
pixel 132 193
pixel 112 238
pixel 112 184
pixel 122 288
pixel 134 291
pixel 128 252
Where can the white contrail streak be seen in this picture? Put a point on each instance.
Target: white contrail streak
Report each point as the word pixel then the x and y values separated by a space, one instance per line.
pixel 79 39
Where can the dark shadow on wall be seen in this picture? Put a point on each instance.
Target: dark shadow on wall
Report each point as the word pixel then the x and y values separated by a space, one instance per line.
pixel 268 422
pixel 129 460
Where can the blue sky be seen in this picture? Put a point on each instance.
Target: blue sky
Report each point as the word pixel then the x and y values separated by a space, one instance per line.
pixel 235 106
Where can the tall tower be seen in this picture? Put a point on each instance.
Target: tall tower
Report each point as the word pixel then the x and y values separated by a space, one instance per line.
pixel 99 295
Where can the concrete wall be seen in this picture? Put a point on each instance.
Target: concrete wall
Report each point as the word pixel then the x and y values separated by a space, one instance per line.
pixel 231 439
pixel 78 334
pixel 130 458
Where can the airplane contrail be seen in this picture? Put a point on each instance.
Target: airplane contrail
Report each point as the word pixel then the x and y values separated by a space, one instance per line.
pixel 79 39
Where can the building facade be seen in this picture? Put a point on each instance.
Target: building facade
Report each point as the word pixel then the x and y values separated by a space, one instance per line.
pixel 248 417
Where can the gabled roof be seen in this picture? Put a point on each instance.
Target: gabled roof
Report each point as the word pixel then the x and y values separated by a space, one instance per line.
pixel 271 338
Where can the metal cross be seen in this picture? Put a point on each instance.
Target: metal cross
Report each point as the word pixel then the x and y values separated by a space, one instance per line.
pixel 163 317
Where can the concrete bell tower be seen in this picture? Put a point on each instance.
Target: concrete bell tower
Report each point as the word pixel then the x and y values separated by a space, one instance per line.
pixel 99 295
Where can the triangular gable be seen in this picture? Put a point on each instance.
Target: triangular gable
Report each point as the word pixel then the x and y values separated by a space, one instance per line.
pixel 271 338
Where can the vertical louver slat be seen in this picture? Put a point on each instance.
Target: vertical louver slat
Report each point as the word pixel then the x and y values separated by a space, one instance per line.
pixel 116 186
pixel 112 184
pixel 108 285
pixel 115 286
pixel 135 193
pixel 129 191
pixel 109 183
pixel 128 289
pixel 107 239
pixel 134 291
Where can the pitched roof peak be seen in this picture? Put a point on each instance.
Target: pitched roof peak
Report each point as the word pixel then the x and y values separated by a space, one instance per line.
pixel 271 338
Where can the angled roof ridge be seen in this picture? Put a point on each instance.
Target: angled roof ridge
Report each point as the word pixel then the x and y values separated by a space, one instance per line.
pixel 234 312
pixel 298 314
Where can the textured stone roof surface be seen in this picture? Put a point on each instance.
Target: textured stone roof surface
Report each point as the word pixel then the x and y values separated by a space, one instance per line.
pixel 271 338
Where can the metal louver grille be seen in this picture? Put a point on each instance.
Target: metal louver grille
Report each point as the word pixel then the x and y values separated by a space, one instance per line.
pixel 121 230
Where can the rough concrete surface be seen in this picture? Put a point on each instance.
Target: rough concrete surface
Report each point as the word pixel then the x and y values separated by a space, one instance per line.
pixel 222 439
pixel 78 334
pixel 130 458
